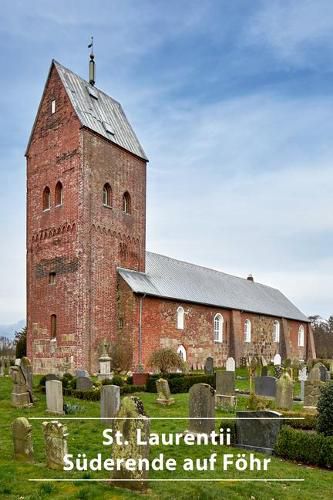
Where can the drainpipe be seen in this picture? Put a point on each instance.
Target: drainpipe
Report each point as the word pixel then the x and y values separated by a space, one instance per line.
pixel 140 367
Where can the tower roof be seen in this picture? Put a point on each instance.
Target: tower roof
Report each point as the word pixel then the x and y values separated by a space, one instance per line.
pixel 98 111
pixel 174 279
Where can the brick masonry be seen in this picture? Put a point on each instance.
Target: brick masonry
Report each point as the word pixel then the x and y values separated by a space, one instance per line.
pixel 82 242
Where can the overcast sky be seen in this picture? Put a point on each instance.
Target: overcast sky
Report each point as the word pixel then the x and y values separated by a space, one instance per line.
pixel 232 102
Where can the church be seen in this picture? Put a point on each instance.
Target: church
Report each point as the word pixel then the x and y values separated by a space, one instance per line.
pixel 90 280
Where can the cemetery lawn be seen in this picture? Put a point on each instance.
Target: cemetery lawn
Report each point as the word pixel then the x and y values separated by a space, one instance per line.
pixel 86 437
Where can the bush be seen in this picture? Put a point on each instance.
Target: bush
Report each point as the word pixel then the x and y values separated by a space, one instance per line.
pixel 229 424
pixel 128 389
pixel 129 380
pixel 325 410
pixel 309 423
pixel 259 403
pixel 106 381
pixel 42 381
pixel 308 447
pixel 165 360
pixel 117 380
pixel 67 380
pixel 179 383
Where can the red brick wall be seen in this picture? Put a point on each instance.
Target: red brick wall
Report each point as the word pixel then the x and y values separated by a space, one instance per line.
pixel 52 244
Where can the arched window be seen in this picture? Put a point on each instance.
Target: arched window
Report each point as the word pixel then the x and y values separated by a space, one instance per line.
pixel 126 203
pixel 107 195
pixel 247 330
pixel 53 326
pixel 218 328
pixel 46 198
pixel 301 336
pixel 58 194
pixel 180 318
pixel 181 351
pixel 276 331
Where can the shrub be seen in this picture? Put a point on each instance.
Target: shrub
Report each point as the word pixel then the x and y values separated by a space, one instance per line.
pixel 129 380
pixel 308 447
pixel 259 402
pixel 309 423
pixel 128 389
pixel 165 360
pixel 121 355
pixel 67 380
pixel 179 383
pixel 325 410
pixel 42 381
pixel 117 380
pixel 107 381
pixel 21 343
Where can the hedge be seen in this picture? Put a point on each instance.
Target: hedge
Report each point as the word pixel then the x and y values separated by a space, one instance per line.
pixel 309 423
pixel 95 394
pixel 308 447
pixel 179 382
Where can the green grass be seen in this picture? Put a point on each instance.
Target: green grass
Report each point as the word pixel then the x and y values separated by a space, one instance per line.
pixel 86 437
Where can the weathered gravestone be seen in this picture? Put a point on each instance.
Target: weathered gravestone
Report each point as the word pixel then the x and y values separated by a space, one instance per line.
pixel 83 384
pixel 225 389
pixel 312 387
pixel 265 386
pixel 54 397
pixel 55 437
pixel 110 403
pixel 201 409
pixel 26 368
pixel 21 392
pixel 163 392
pixel 258 430
pixel 324 373
pixel 209 366
pixel 132 420
pixel 2 368
pixel 277 360
pixel 284 392
pixel 22 440
pixel 230 365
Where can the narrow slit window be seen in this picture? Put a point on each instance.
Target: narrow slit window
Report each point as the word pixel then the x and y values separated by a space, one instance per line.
pixel 58 194
pixel 126 203
pixel 54 326
pixel 301 336
pixel 107 195
pixel 52 278
pixel 218 328
pixel 53 106
pixel 46 198
pixel 247 331
pixel 180 318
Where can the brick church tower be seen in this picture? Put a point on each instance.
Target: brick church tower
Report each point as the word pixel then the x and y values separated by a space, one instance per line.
pixel 86 215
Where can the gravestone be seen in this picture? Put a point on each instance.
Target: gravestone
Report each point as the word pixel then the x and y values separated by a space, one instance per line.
pixel 21 393
pixel 209 366
pixel 201 409
pixel 225 389
pixel 131 419
pixel 265 386
pixel 163 393
pixel 110 403
pixel 26 368
pixel 104 365
pixel 22 439
pixel 54 397
pixel 83 384
pixel 312 387
pixel 324 373
pixel 55 437
pixel 81 373
pixel 284 392
pixel 277 360
pixel 302 377
pixel 230 365
pixel 2 368
pixel 257 430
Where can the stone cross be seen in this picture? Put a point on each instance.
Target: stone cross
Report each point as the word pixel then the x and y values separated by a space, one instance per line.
pixel 163 392
pixel 131 420
pixel 284 392
pixel 110 403
pixel 55 437
pixel 201 409
pixel 230 365
pixel 22 439
pixel 54 397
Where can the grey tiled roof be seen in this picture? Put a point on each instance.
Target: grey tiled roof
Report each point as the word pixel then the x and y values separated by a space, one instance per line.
pixel 174 279
pixel 101 113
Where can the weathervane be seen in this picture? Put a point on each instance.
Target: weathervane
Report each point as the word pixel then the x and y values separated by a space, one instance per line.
pixel 91 62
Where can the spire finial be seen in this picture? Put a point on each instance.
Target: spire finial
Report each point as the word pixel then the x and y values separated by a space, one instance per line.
pixel 91 62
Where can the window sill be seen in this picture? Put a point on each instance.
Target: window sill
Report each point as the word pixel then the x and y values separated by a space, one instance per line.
pixel 46 209
pixel 218 341
pixel 107 206
pixel 60 205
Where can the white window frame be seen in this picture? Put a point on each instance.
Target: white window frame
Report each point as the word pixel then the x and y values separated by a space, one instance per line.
pixel 181 351
pixel 276 331
pixel 180 318
pixel 218 328
pixel 247 331
pixel 53 106
pixel 301 335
